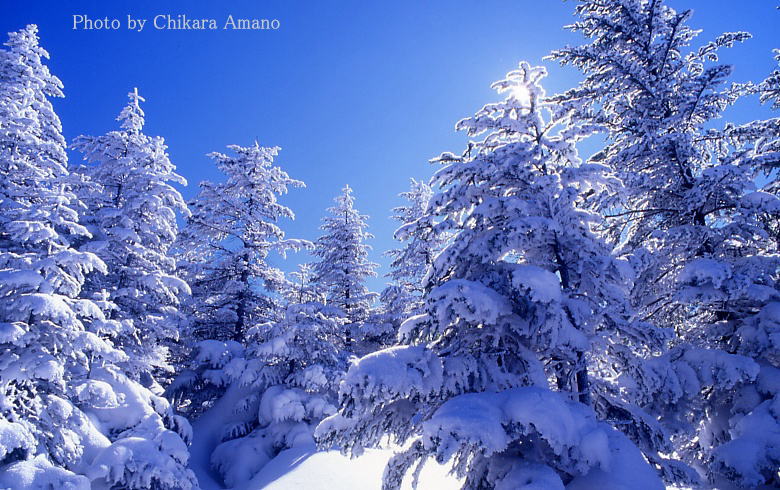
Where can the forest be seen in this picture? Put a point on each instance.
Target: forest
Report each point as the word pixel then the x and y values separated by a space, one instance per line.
pixel 553 318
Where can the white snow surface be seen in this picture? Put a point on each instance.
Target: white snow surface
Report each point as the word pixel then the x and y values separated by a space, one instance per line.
pixel 306 468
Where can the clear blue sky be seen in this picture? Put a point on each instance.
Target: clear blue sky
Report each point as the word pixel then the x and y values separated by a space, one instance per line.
pixel 355 92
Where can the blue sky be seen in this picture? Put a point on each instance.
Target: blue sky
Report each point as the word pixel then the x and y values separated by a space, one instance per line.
pixel 355 92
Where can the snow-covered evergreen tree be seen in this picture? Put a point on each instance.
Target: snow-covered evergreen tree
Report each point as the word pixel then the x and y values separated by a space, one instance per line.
pixel 290 374
pixel 343 265
pixel 301 287
pixel 224 252
pixel 402 298
pixel 526 322
pixel 45 346
pixel 770 88
pixel 131 214
pixel 410 262
pixel 68 416
pixel 692 222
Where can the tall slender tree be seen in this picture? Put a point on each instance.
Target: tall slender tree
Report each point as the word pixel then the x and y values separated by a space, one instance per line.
pixel 409 263
pixel 131 213
pixel 45 346
pixel 343 264
pixel 224 251
pixel 228 238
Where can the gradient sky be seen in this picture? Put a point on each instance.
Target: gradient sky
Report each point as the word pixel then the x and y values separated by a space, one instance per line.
pixel 355 92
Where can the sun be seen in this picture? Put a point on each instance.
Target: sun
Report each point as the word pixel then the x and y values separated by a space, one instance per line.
pixel 521 93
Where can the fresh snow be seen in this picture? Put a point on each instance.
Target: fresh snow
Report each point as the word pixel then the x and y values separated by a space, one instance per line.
pixel 305 467
pixel 550 322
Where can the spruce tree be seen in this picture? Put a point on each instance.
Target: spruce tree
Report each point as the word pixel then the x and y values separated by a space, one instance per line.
pixel 692 222
pixel 343 265
pixel 131 213
pixel 410 262
pixel 224 254
pixel 526 320
pixel 69 418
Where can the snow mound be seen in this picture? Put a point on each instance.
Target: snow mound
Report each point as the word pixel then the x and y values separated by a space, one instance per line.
pixel 580 444
pixel 39 474
pixel 394 372
pixel 14 437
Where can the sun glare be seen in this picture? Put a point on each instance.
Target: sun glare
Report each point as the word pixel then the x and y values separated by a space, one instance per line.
pixel 521 94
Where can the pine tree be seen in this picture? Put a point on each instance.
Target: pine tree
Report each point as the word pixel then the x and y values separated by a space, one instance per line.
pixel 229 237
pixel 290 375
pixel 131 213
pixel 766 134
pixel 691 220
pixel 403 297
pixel 770 87
pixel 526 321
pixel 224 250
pixel 68 417
pixel 45 346
pixel 343 264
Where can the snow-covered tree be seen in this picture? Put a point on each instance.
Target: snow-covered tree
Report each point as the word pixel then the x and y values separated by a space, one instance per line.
pixel 526 323
pixel 410 262
pixel 691 220
pixel 131 214
pixel 301 287
pixel 290 374
pixel 402 298
pixel 768 146
pixel 343 265
pixel 227 240
pixel 224 252
pixel 45 346
pixel 770 88
pixel 68 416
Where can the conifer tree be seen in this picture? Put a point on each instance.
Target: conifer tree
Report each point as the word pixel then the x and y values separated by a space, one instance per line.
pixel 131 214
pixel 68 417
pixel 692 222
pixel 343 264
pixel 526 315
pixel 224 250
pixel 45 346
pixel 411 261
pixel 228 238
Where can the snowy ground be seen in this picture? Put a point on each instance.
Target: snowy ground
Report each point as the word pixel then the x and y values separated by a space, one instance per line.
pixel 301 468
pixel 305 468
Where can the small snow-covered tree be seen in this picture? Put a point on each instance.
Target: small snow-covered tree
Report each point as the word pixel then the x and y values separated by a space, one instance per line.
pixel 526 322
pixel 403 296
pixel 291 372
pixel 301 287
pixel 68 416
pixel 224 251
pixel 343 265
pixel 410 262
pixel 691 220
pixel 131 214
